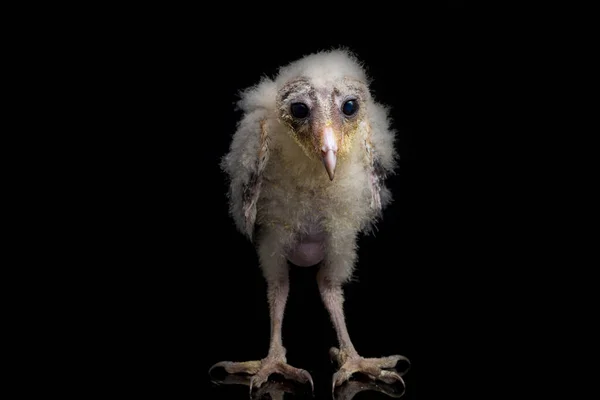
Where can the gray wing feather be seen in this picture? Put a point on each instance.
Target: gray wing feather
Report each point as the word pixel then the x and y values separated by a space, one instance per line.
pixel 244 164
pixel 377 175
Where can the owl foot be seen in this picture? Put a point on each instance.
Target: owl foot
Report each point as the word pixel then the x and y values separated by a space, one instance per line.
pixel 262 369
pixel 374 368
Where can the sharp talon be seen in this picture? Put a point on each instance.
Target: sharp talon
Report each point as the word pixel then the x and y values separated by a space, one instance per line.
pixel 403 386
pixel 333 383
pixel 338 379
pixel 223 364
pixel 258 381
pixel 402 380
pixel 408 361
pixel 309 378
pixel 402 358
pixel 390 377
pixel 333 389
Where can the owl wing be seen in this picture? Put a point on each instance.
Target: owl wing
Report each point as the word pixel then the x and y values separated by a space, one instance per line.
pixel 244 165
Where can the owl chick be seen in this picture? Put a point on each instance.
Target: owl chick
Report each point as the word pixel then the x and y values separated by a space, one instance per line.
pixel 306 172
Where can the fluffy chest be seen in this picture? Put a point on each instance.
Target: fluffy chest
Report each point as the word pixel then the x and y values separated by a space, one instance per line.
pixel 296 194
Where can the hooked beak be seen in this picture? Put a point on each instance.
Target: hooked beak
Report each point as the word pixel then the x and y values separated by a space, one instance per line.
pixel 329 151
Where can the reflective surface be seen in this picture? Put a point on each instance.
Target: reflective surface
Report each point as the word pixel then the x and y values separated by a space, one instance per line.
pixel 359 387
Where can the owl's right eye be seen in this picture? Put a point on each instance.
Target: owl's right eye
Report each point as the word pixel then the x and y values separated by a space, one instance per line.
pixel 299 110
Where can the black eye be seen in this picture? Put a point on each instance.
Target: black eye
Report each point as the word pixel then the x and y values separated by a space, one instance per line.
pixel 299 110
pixel 350 107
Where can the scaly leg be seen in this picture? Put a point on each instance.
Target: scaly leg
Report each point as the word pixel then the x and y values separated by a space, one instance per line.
pixel 348 360
pixel 275 362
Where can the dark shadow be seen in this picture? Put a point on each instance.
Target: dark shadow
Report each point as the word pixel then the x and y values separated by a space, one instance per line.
pixel 275 388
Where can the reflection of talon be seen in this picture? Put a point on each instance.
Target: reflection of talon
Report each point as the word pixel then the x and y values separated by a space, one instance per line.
pixel 274 389
pixel 233 380
pixel 349 389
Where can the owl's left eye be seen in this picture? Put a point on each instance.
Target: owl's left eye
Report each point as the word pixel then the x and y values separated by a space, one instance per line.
pixel 350 107
pixel 299 110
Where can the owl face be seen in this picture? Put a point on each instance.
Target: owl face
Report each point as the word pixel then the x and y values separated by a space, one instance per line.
pixel 323 118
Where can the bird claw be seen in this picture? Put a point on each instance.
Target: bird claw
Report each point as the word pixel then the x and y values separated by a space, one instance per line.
pixel 374 368
pixel 339 378
pixel 257 381
pixel 397 358
pixel 222 364
pixel 309 379
pixel 260 371
pixel 390 377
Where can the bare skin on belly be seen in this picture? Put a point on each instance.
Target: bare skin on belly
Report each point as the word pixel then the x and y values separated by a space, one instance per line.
pixel 308 250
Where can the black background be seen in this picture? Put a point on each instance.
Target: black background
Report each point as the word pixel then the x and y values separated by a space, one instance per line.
pixel 185 287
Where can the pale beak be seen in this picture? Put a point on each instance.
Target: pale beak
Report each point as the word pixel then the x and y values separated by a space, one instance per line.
pixel 329 160
pixel 329 151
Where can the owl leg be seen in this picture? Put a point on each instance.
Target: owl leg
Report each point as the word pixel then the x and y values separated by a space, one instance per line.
pixel 275 362
pixel 348 360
